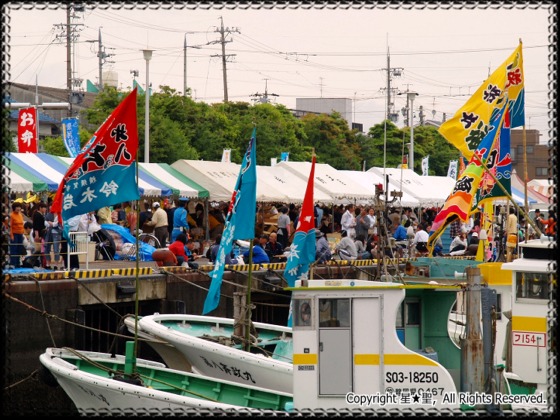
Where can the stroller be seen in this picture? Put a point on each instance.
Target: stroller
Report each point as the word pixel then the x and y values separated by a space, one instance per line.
pixel 105 244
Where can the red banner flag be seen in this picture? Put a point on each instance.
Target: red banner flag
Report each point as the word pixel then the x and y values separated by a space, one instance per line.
pixel 104 173
pixel 28 141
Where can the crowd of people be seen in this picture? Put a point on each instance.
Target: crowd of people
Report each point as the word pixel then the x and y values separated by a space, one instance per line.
pixel 34 237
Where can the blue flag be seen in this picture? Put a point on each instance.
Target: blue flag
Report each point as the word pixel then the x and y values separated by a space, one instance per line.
pixel 243 205
pixel 302 250
pixel 71 136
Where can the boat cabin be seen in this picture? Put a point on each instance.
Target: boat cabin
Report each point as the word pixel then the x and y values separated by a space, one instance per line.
pixel 355 338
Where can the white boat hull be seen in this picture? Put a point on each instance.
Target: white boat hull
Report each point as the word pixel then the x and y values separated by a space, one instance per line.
pixel 93 394
pixel 221 361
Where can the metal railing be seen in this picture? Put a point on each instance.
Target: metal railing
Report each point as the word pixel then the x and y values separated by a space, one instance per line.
pixel 78 244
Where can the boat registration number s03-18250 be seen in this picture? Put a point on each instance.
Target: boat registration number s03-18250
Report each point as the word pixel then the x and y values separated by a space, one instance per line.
pixel 415 377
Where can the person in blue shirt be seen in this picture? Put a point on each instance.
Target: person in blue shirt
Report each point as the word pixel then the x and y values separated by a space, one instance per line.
pixel 400 232
pixel 180 223
pixel 259 254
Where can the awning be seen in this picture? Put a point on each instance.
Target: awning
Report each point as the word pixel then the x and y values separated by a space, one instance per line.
pixel 291 184
pixel 430 191
pixel 19 180
pixel 49 169
pixel 179 184
pixel 331 181
pixel 368 180
pixel 219 178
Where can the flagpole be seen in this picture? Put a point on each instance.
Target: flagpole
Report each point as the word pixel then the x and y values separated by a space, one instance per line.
pixel 248 316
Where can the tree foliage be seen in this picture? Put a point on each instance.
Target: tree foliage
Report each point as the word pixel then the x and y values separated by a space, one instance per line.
pixel 181 128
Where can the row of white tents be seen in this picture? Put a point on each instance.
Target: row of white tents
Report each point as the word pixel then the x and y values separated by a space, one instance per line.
pixel 285 182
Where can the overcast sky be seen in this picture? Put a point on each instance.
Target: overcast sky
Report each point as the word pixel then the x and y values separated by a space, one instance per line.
pixel 444 53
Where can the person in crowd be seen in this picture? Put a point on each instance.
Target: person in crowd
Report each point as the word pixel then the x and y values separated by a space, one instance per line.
pixel 318 215
pixel 159 222
pixel 472 248
pixel 118 215
pixel 259 254
pixel 131 218
pixel 438 245
pixel 455 228
pixel 475 229
pixel 346 249
pixel 191 255
pixel 263 240
pixel 539 221
pixel 326 225
pixel 169 207
pixel 198 215
pixel 551 225
pixel 180 220
pixel 53 238
pixel 363 254
pixel 178 247
pixel 322 250
pixel 372 228
pixel 164 257
pixel 28 239
pixel 459 243
pixel 512 234
pixel 283 225
pixel 338 211
pixel 274 249
pixel 362 223
pixel 16 235
pixel 348 221
pixel 212 253
pixel 408 215
pixel 104 215
pixel 399 231
pixel 39 227
pixel 420 240
pixel 146 216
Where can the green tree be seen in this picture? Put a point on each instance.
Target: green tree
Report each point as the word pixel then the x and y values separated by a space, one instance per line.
pixel 333 141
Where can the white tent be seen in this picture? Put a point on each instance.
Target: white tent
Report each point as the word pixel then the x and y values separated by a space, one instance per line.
pixel 429 190
pixel 293 185
pixel 368 180
pixel 331 181
pixel 219 178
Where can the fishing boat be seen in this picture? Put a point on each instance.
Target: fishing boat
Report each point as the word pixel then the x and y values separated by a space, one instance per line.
pixel 379 345
pixel 98 383
pixel 529 345
pixel 212 348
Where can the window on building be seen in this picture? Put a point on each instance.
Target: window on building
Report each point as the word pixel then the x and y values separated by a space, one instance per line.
pixel 512 151
pixel 530 150
pixel 541 171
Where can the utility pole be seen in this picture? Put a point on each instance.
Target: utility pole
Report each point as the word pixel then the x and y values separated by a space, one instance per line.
pixel 263 98
pixel 185 62
pixel 70 32
pixel 223 41
pixel 391 72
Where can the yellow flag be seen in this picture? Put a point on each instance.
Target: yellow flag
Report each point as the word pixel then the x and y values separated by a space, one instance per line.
pixel 470 124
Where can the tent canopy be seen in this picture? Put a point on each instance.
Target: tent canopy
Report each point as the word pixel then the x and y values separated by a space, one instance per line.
pixel 219 178
pixel 291 184
pixel 331 181
pixel 429 190
pixel 368 180
pixel 45 172
pixel 179 184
